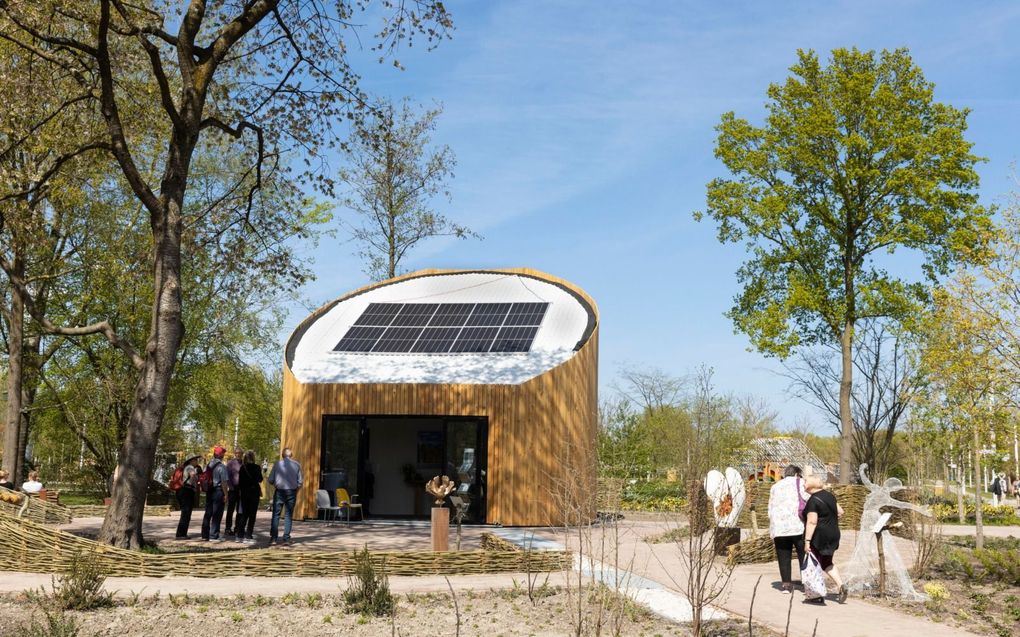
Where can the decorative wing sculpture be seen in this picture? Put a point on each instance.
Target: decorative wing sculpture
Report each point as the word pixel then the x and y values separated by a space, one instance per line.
pixel 439 488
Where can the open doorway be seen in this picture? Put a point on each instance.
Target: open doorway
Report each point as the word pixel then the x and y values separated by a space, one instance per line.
pixel 387 459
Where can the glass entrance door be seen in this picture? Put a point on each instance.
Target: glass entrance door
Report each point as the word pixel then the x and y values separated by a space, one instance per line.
pixel 466 440
pixel 341 454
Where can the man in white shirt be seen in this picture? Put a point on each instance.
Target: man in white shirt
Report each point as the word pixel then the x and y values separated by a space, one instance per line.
pixel 786 499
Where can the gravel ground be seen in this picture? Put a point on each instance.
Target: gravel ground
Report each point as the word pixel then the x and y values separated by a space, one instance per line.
pixel 489 614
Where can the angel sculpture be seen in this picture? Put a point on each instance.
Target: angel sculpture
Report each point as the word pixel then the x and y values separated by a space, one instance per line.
pixel 440 488
pixel 863 570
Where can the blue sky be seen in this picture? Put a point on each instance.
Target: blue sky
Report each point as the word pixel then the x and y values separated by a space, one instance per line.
pixel 584 138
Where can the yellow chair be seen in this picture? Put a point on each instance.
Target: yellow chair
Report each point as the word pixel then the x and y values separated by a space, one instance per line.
pixel 346 502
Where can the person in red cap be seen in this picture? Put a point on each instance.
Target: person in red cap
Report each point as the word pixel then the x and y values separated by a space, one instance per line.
pixel 216 496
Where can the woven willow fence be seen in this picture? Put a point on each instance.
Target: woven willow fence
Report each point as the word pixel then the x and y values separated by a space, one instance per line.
pixel 32 547
pixel 38 510
pixel 99 510
pixel 851 497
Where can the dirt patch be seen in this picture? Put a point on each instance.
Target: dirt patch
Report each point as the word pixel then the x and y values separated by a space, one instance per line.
pixel 489 614
pixel 985 609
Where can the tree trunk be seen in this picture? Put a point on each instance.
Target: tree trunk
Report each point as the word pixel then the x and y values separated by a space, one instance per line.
pixel 12 460
pixel 846 448
pixel 960 506
pixel 979 532
pixel 123 524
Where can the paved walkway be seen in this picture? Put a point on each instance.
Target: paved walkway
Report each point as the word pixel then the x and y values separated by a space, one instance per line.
pixel 663 563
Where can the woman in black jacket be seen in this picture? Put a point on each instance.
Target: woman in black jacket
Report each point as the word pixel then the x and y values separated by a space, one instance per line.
pixel 249 481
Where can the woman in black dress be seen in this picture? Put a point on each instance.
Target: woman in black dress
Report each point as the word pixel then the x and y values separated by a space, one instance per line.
pixel 249 480
pixel 821 532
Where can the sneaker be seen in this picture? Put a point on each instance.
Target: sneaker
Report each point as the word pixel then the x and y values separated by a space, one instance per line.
pixel 239 539
pixel 786 587
pixel 205 539
pixel 249 540
pixel 841 595
pixel 182 537
pixel 219 539
pixel 817 601
pixel 230 531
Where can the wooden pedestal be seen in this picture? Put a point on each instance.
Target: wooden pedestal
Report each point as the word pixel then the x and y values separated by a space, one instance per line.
pixel 440 529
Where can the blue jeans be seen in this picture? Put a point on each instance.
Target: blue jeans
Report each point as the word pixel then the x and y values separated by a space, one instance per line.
pixel 282 498
pixel 213 514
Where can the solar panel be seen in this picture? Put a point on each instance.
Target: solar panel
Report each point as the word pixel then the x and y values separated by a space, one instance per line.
pixel 440 328
pixel 489 314
pixel 398 339
pixel 526 314
pixel 436 340
pixel 415 314
pixel 452 314
pixel 379 314
pixel 360 339
pixel 514 339
pixel 474 339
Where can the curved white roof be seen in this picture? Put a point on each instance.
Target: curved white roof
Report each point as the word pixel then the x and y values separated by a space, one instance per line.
pixel 567 323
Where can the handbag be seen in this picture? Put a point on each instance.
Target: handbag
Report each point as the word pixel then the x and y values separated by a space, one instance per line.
pixel 801 502
pixel 812 577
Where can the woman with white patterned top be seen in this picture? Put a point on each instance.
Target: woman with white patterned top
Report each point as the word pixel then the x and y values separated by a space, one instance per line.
pixel 785 524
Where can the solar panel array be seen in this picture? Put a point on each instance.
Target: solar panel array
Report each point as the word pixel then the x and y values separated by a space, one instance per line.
pixel 444 328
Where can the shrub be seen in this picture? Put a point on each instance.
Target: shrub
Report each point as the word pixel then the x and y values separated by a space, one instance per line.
pixel 55 623
pixel 657 495
pixel 368 592
pixel 81 588
pixel 994 515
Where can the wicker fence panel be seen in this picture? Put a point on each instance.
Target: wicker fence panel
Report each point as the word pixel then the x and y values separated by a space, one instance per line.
pixel 99 510
pixel 38 510
pixel 32 547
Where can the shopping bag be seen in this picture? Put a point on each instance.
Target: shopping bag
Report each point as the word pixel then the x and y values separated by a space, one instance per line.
pixel 812 577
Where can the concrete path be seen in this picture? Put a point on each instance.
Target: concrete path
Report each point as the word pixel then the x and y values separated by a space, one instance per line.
pixel 664 563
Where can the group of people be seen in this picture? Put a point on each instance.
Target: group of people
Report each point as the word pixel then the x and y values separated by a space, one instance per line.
pixel 236 486
pixel 804 517
pixel 1002 486
pixel 32 485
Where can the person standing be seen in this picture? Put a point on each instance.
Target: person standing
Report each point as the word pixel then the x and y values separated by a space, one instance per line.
pixel 821 532
pixel 786 500
pixel 187 495
pixel 286 477
pixel 996 491
pixel 233 495
pixel 250 490
pixel 215 498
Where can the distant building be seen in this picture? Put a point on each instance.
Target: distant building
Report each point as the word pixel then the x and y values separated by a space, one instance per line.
pixel 766 458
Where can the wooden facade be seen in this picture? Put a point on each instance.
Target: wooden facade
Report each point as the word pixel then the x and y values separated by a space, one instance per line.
pixel 541 433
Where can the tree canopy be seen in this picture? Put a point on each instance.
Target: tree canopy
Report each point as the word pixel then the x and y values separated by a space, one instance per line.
pixel 855 161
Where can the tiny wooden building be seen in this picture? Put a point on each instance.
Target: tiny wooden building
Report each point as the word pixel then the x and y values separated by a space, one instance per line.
pixel 488 376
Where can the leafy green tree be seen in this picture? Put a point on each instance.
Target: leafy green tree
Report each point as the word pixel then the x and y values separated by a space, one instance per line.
pixel 265 76
pixel 394 173
pixel 967 376
pixel 856 160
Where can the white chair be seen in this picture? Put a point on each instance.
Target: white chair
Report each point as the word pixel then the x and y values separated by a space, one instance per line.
pixel 322 503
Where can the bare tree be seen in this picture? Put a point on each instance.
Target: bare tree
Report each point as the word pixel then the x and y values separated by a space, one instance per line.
pixel 394 176
pixel 270 75
pixel 887 383
pixel 651 388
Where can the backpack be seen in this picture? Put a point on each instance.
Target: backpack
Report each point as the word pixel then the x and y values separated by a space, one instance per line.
pixel 205 479
pixel 177 479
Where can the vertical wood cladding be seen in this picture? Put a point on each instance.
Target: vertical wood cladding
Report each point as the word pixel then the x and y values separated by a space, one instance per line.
pixel 541 441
